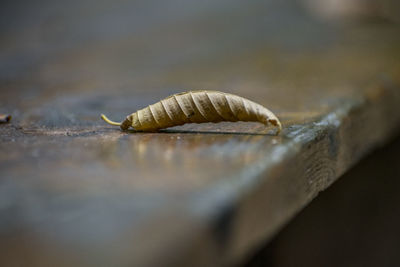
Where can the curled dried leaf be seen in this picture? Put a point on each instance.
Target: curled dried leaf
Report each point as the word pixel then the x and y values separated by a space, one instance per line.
pixel 197 107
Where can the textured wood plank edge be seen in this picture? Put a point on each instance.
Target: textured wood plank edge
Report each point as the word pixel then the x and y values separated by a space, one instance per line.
pixel 276 190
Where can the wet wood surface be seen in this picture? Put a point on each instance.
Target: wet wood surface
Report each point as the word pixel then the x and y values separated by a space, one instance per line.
pixel 75 191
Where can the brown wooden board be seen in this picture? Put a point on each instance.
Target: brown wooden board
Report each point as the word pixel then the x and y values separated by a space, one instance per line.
pixel 75 191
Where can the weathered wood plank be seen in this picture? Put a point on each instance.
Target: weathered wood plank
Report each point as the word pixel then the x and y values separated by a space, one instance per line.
pixel 75 191
pixel 356 218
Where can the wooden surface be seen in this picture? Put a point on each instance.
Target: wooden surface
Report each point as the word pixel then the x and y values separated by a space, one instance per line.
pixel 355 222
pixel 77 192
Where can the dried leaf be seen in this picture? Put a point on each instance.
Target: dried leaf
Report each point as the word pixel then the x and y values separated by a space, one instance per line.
pixel 197 107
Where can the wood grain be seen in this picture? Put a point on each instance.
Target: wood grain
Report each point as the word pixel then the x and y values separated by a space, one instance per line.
pixel 74 192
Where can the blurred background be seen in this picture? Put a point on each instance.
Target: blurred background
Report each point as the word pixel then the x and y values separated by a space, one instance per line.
pixel 56 46
pixel 111 49
pixel 62 62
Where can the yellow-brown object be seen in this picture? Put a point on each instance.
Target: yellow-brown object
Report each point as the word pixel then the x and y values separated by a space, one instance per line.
pixel 4 118
pixel 197 107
